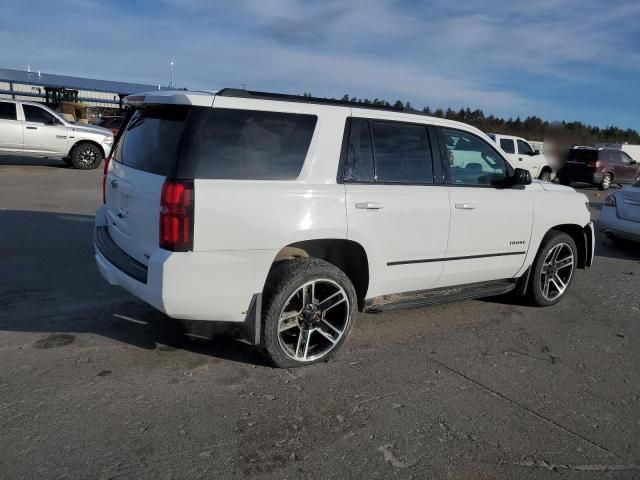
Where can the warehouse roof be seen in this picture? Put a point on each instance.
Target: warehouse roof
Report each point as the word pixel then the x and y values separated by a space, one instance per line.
pixel 76 83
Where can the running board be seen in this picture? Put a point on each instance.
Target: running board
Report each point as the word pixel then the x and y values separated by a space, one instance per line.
pixel 423 298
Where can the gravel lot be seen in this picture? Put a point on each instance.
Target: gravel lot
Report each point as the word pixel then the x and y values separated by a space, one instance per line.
pixel 95 384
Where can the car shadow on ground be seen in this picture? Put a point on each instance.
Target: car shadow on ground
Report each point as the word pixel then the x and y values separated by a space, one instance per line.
pixel 23 161
pixel 50 284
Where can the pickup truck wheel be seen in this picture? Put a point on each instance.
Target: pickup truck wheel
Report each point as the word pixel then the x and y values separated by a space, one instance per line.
pixel 553 269
pixel 308 311
pixel 545 176
pixel 605 183
pixel 86 156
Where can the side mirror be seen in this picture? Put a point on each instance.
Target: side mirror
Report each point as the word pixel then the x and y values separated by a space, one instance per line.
pixel 536 152
pixel 522 177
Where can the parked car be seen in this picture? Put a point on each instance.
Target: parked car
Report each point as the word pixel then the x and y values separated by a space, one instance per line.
pixel 620 215
pixel 285 215
pixel 598 166
pixel 523 155
pixel 35 130
pixel 632 150
pixel 111 123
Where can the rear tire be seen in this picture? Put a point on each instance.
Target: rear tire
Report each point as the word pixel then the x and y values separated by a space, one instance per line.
pixel 86 156
pixel 553 269
pixel 605 183
pixel 309 308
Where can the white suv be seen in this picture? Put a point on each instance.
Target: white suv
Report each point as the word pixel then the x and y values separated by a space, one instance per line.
pixel 32 129
pixel 286 215
pixel 523 155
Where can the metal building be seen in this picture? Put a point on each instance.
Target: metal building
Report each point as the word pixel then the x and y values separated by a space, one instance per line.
pixel 48 88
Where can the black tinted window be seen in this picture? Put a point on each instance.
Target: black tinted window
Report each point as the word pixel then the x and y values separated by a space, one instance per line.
pixel 587 155
pixel 253 145
pixel 402 153
pixel 8 111
pixel 524 147
pixel 359 167
pixel 152 139
pixel 507 145
pixel 36 114
pixel 472 161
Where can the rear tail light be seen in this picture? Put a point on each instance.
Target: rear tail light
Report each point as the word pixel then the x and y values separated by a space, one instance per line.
pixel 610 201
pixel 104 179
pixel 176 215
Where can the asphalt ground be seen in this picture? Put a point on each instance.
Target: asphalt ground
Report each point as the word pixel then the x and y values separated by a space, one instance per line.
pixel 96 384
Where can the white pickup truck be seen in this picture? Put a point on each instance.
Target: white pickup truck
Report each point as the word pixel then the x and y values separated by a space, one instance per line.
pixel 522 155
pixel 32 129
pixel 285 215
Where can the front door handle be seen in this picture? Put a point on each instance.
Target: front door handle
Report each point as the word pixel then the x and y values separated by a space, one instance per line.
pixel 32 128
pixel 465 206
pixel 369 206
pixel 520 158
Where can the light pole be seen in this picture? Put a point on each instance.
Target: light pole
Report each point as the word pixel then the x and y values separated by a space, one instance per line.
pixel 171 83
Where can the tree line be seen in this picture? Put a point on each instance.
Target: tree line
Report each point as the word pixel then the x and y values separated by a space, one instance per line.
pixel 531 128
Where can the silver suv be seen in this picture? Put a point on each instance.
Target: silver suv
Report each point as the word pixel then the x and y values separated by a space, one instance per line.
pixel 32 129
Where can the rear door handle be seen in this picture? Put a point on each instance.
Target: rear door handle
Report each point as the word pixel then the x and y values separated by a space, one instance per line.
pixel 369 206
pixel 32 128
pixel 465 206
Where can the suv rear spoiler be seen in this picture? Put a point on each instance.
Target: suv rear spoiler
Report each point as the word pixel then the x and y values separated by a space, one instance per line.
pixel 171 97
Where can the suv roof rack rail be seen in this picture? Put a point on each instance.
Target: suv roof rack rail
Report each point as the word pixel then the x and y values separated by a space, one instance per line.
pixel 283 97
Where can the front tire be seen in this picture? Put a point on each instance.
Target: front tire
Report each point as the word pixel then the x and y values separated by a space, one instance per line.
pixel 605 183
pixel 553 269
pixel 545 176
pixel 86 156
pixel 309 309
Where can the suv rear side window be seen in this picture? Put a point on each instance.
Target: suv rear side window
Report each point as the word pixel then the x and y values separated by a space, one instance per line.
pixel 8 111
pixel 388 152
pixel 402 153
pixel 152 139
pixel 507 145
pixel 253 145
pixel 359 166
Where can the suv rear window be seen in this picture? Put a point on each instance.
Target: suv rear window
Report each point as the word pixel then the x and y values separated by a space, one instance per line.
pixel 152 139
pixel 253 145
pixel 583 154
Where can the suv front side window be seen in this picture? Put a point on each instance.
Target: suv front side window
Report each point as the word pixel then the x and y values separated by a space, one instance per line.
pixel 524 148
pixel 626 159
pixel 38 115
pixel 472 161
pixel 8 111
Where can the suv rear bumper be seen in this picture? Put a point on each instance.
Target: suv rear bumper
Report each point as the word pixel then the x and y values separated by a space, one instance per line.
pixel 212 286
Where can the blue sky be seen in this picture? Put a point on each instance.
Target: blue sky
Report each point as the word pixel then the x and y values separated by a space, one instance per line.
pixel 559 59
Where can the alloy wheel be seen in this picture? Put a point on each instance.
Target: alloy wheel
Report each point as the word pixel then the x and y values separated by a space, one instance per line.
pixel 313 320
pixel 87 157
pixel 557 270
